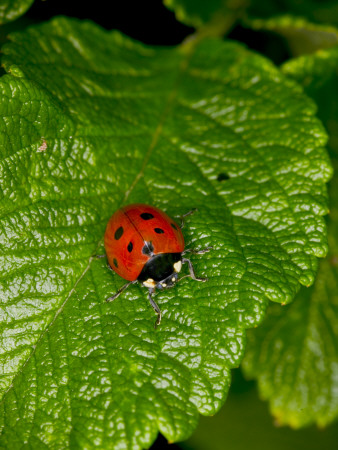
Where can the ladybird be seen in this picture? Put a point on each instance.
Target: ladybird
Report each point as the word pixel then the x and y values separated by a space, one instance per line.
pixel 143 244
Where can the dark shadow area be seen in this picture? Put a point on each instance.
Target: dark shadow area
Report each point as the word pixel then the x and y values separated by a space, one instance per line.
pixel 149 22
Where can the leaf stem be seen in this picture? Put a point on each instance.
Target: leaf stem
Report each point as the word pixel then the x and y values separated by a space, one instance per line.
pixel 219 25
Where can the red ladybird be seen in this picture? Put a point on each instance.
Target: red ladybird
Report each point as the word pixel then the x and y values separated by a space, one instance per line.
pixel 144 244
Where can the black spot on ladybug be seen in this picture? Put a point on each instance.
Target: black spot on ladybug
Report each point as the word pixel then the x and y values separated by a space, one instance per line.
pixel 148 249
pixel 158 230
pixel 146 216
pixel 118 233
pixel 223 177
pixel 174 226
pixel 115 262
pixel 130 247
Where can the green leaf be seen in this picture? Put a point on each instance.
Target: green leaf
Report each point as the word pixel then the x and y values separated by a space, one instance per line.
pixel 92 120
pixel 302 36
pixel 214 17
pixel 12 9
pixel 195 13
pixel 294 355
pixel 317 11
pixel 318 74
pixel 244 408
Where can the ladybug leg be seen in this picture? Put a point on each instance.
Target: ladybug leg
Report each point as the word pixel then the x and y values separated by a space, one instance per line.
pixel 123 288
pixel 155 308
pixel 191 270
pixel 103 256
pixel 185 215
pixel 197 252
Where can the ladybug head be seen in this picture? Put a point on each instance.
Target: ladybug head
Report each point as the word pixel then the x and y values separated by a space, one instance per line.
pixel 161 270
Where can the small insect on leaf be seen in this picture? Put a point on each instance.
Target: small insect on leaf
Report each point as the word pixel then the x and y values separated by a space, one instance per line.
pixel 155 246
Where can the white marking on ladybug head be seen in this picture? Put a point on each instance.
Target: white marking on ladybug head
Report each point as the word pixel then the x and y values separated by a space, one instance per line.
pixel 164 284
pixel 150 283
pixel 178 266
pixel 173 279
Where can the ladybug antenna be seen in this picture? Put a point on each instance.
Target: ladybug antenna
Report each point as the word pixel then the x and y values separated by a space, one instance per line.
pixel 182 278
pixel 123 288
pixel 197 252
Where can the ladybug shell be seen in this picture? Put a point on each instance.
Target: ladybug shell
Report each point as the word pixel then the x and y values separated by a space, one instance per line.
pixel 135 233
